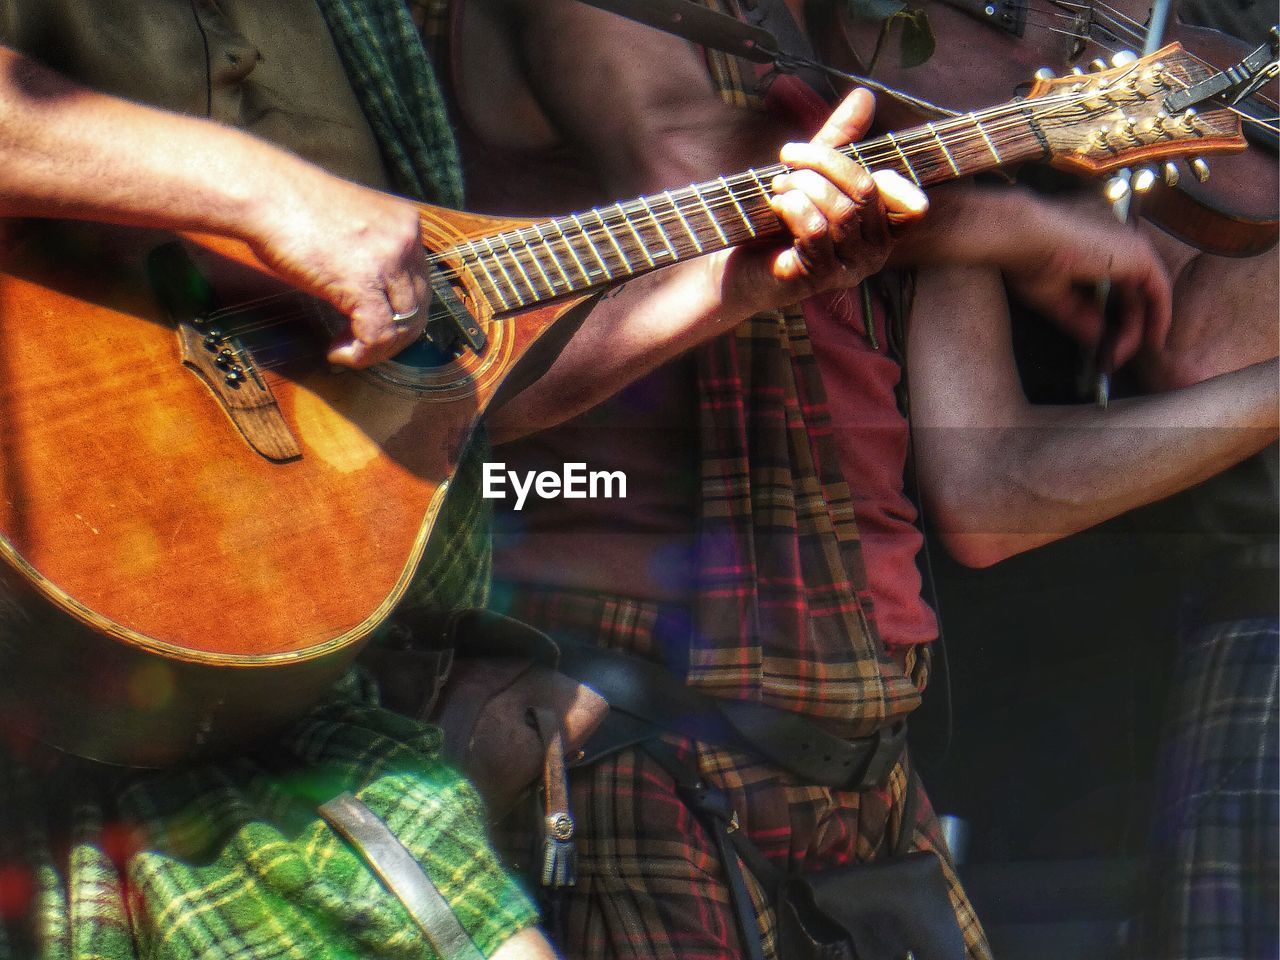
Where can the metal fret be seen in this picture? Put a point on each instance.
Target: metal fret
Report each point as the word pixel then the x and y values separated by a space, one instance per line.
pixel 595 252
pixel 489 276
pixel 945 152
pixel 533 257
pixel 572 252
pixel 554 259
pixel 644 247
pixel 710 216
pixel 990 146
pixel 751 227
pixel 697 244
pixel 515 256
pixel 613 241
pixel 658 226
pixel 905 162
pixel 497 258
pixel 764 191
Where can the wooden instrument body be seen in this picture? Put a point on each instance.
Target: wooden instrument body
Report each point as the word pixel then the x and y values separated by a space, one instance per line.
pixel 175 588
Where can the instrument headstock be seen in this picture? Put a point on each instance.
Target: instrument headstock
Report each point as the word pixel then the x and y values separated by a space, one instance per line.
pixel 1118 117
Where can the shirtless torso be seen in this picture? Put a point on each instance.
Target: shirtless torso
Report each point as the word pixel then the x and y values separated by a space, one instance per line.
pixel 518 161
pixel 642 546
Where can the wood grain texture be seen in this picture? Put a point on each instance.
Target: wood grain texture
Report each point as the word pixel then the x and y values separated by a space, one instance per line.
pixel 138 530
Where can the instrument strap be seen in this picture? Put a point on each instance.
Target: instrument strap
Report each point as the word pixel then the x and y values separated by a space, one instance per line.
pixel 711 806
pixel 753 42
pixel 645 699
pixel 769 34
pixel 402 874
pixel 696 23
pixel 799 56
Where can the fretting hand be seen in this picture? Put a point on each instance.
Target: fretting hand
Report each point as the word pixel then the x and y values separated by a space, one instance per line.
pixel 841 217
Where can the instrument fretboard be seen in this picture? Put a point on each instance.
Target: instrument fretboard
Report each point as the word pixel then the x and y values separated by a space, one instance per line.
pixel 582 251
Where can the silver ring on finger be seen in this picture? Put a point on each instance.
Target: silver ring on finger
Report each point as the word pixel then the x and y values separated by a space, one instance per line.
pixel 403 321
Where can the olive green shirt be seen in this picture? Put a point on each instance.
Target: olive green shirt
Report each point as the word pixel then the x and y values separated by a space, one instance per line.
pixel 268 67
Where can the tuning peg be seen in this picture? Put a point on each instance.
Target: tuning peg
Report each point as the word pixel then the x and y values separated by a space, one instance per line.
pixel 1044 73
pixel 1098 65
pixel 1200 167
pixel 1117 189
pixel 1123 58
pixel 1171 176
pixel 1144 180
pixel 1077 72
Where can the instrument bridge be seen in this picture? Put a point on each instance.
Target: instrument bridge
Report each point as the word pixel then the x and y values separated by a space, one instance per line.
pixel 223 361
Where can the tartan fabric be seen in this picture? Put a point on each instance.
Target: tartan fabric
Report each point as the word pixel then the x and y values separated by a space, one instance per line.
pixel 650 886
pixel 231 860
pixel 781 607
pixel 397 90
pixel 782 614
pixel 1216 865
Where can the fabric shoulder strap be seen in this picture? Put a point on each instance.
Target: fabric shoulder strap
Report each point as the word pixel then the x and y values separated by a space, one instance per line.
pixel 397 89
pixel 766 33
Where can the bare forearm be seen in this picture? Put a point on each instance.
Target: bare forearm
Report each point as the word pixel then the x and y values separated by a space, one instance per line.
pixel 974 225
pixel 68 152
pixel 1005 476
pixel 1063 470
pixel 632 331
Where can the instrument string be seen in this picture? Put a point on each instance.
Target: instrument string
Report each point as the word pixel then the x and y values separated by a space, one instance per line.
pixel 964 143
pixel 692 200
pixel 1075 35
pixel 1122 28
pixel 1266 123
pixel 686 201
pixel 219 312
pixel 1084 24
pixel 1136 28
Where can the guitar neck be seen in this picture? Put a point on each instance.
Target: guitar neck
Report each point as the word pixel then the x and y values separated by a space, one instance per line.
pixel 581 252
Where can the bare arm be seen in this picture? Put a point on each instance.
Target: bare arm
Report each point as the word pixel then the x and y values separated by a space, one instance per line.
pixel 1052 255
pixel 837 217
pixel 663 125
pixel 1225 315
pixel 69 152
pixel 1004 476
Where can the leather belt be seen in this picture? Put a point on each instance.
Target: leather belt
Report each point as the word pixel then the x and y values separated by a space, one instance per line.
pixel 645 700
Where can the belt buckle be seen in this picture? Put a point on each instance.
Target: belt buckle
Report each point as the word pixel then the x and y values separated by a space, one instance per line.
pixel 889 742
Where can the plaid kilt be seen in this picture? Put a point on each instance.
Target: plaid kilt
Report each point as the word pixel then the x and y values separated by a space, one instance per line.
pixel 650 886
pixel 1216 869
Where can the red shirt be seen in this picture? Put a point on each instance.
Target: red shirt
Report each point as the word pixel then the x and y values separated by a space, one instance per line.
pixel 871 442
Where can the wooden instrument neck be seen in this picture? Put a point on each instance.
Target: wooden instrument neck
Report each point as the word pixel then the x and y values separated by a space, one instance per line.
pixel 521 267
